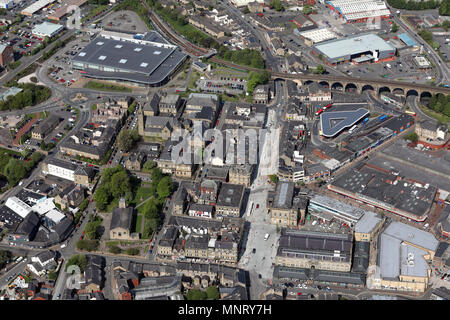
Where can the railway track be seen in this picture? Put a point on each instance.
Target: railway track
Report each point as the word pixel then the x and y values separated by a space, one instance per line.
pixel 198 52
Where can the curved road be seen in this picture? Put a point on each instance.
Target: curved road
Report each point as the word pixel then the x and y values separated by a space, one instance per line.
pixel 441 67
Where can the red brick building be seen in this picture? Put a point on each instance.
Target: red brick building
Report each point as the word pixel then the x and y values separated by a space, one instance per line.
pixel 6 54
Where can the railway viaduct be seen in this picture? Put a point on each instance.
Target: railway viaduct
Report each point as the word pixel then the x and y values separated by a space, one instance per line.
pixel 360 85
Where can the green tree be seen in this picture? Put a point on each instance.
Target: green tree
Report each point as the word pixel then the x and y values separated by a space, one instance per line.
pixel 120 184
pixel 273 178
pixel 151 209
pixel 256 78
pixel 213 293
pixel 306 9
pixel 52 275
pixel 413 137
pixel 133 251
pixel 115 250
pixel 92 229
pixel 88 245
pixel 394 28
pixel 78 260
pixel 319 70
pixel 14 171
pixel 102 197
pixel 277 5
pixel 5 256
pixel 196 294
pixel 165 187
pixel 148 165
pixel 127 139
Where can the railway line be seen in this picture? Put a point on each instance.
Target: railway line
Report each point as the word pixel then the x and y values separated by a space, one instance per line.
pixel 198 52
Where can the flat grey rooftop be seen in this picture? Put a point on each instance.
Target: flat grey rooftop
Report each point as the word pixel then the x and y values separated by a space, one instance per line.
pixel 439 163
pixel 409 171
pixel 337 205
pixel 368 222
pixel 353 45
pixel 124 55
pixel 129 61
pixel 394 251
pixel 413 235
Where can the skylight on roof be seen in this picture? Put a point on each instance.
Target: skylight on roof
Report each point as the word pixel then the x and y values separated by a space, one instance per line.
pixel 102 58
pixel 82 54
pixel 137 49
pixel 123 60
pixel 100 43
pixel 144 64
pixel 118 46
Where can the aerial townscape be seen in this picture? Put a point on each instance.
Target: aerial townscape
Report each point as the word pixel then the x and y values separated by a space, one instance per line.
pixel 224 150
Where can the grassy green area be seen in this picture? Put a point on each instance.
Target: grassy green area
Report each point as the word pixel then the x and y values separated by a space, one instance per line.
pixel 139 219
pixel 439 117
pixel 15 64
pixel 105 86
pixel 194 77
pixel 225 97
pixel 10 151
pixel 142 194
pixel 229 72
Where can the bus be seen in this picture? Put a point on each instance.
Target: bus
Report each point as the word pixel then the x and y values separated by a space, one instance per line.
pixel 250 208
pixel 411 113
pixel 352 129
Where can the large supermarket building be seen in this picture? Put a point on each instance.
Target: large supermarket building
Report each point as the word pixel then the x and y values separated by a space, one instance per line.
pixel 147 61
pixel 357 49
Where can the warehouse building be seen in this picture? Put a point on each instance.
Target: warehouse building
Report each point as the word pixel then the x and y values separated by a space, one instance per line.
pixel 403 256
pixel 357 11
pixel 35 7
pixel 6 54
pixel 356 49
pixel 147 61
pixel 6 4
pixel 67 8
pixel 314 36
pixel 46 29
pixel 386 190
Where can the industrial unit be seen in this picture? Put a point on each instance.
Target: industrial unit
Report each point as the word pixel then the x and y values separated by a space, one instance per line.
pixel 354 11
pixel 357 49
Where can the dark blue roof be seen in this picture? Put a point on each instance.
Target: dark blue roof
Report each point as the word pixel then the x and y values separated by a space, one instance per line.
pixel 334 122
